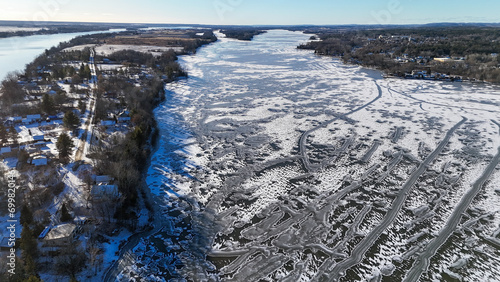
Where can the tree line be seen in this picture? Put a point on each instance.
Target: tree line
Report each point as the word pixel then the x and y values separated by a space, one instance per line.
pixel 246 34
pixel 478 48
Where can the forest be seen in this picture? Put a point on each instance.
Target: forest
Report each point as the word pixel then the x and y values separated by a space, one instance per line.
pixel 246 34
pixel 468 51
pixel 58 28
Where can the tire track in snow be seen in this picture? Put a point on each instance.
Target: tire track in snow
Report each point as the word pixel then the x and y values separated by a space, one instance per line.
pixel 421 265
pixel 338 270
pixel 303 138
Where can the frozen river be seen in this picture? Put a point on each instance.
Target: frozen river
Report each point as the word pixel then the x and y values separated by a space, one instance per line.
pixel 278 165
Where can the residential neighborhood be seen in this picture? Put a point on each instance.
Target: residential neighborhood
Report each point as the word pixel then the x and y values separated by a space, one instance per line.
pixel 432 53
pixel 63 125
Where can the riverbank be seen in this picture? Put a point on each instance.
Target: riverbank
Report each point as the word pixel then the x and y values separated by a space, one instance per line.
pixel 19 51
pixel 152 202
pixel 27 28
pixel 114 128
pixel 438 53
pixel 233 178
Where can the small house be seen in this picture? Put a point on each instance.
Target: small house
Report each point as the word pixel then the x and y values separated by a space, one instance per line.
pixel 39 161
pixel 60 235
pixel 124 116
pixel 5 150
pixel 11 121
pixel 442 60
pixel 103 179
pixel 99 191
pixel 34 117
pixel 39 138
pixel 108 122
pixel 8 122
pixel 80 220
pixel 124 119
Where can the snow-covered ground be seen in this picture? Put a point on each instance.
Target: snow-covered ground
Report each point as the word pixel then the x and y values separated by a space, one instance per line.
pixel 15 28
pixel 276 164
pixel 108 49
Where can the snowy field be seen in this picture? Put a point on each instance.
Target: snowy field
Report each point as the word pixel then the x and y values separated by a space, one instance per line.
pixel 108 49
pixel 278 165
pixel 15 28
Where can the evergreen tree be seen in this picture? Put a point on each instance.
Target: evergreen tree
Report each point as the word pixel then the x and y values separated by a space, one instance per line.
pixel 88 72
pixel 28 243
pixel 85 71
pixel 60 99
pixel 3 134
pixel 47 104
pixel 23 157
pixel 13 135
pixel 11 91
pixel 71 120
pixel 26 216
pixel 81 73
pixel 71 260
pixel 65 216
pixel 33 278
pixel 82 106
pixel 30 266
pixel 64 144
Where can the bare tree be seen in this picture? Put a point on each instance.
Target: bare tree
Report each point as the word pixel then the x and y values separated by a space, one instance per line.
pixel 11 91
pixel 105 207
pixel 71 260
pixel 94 256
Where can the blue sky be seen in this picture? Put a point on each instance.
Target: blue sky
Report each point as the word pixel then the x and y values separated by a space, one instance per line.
pixel 264 12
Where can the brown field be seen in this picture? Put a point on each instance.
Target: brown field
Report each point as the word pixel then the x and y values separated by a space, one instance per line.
pixel 154 38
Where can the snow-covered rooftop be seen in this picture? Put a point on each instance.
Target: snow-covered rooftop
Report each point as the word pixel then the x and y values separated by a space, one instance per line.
pixel 61 231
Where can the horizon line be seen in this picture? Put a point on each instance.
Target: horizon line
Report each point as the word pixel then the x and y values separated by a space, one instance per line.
pixel 249 25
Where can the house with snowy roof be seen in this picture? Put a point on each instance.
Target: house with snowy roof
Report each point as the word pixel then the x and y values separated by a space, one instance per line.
pixel 102 190
pixel 12 121
pixel 5 150
pixel 108 122
pixel 40 160
pixel 102 179
pixel 34 117
pixel 124 116
pixel 39 138
pixel 58 236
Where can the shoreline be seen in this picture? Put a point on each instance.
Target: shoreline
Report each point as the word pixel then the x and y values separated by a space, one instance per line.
pixel 149 219
pixel 149 199
pixel 384 75
pixel 246 241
